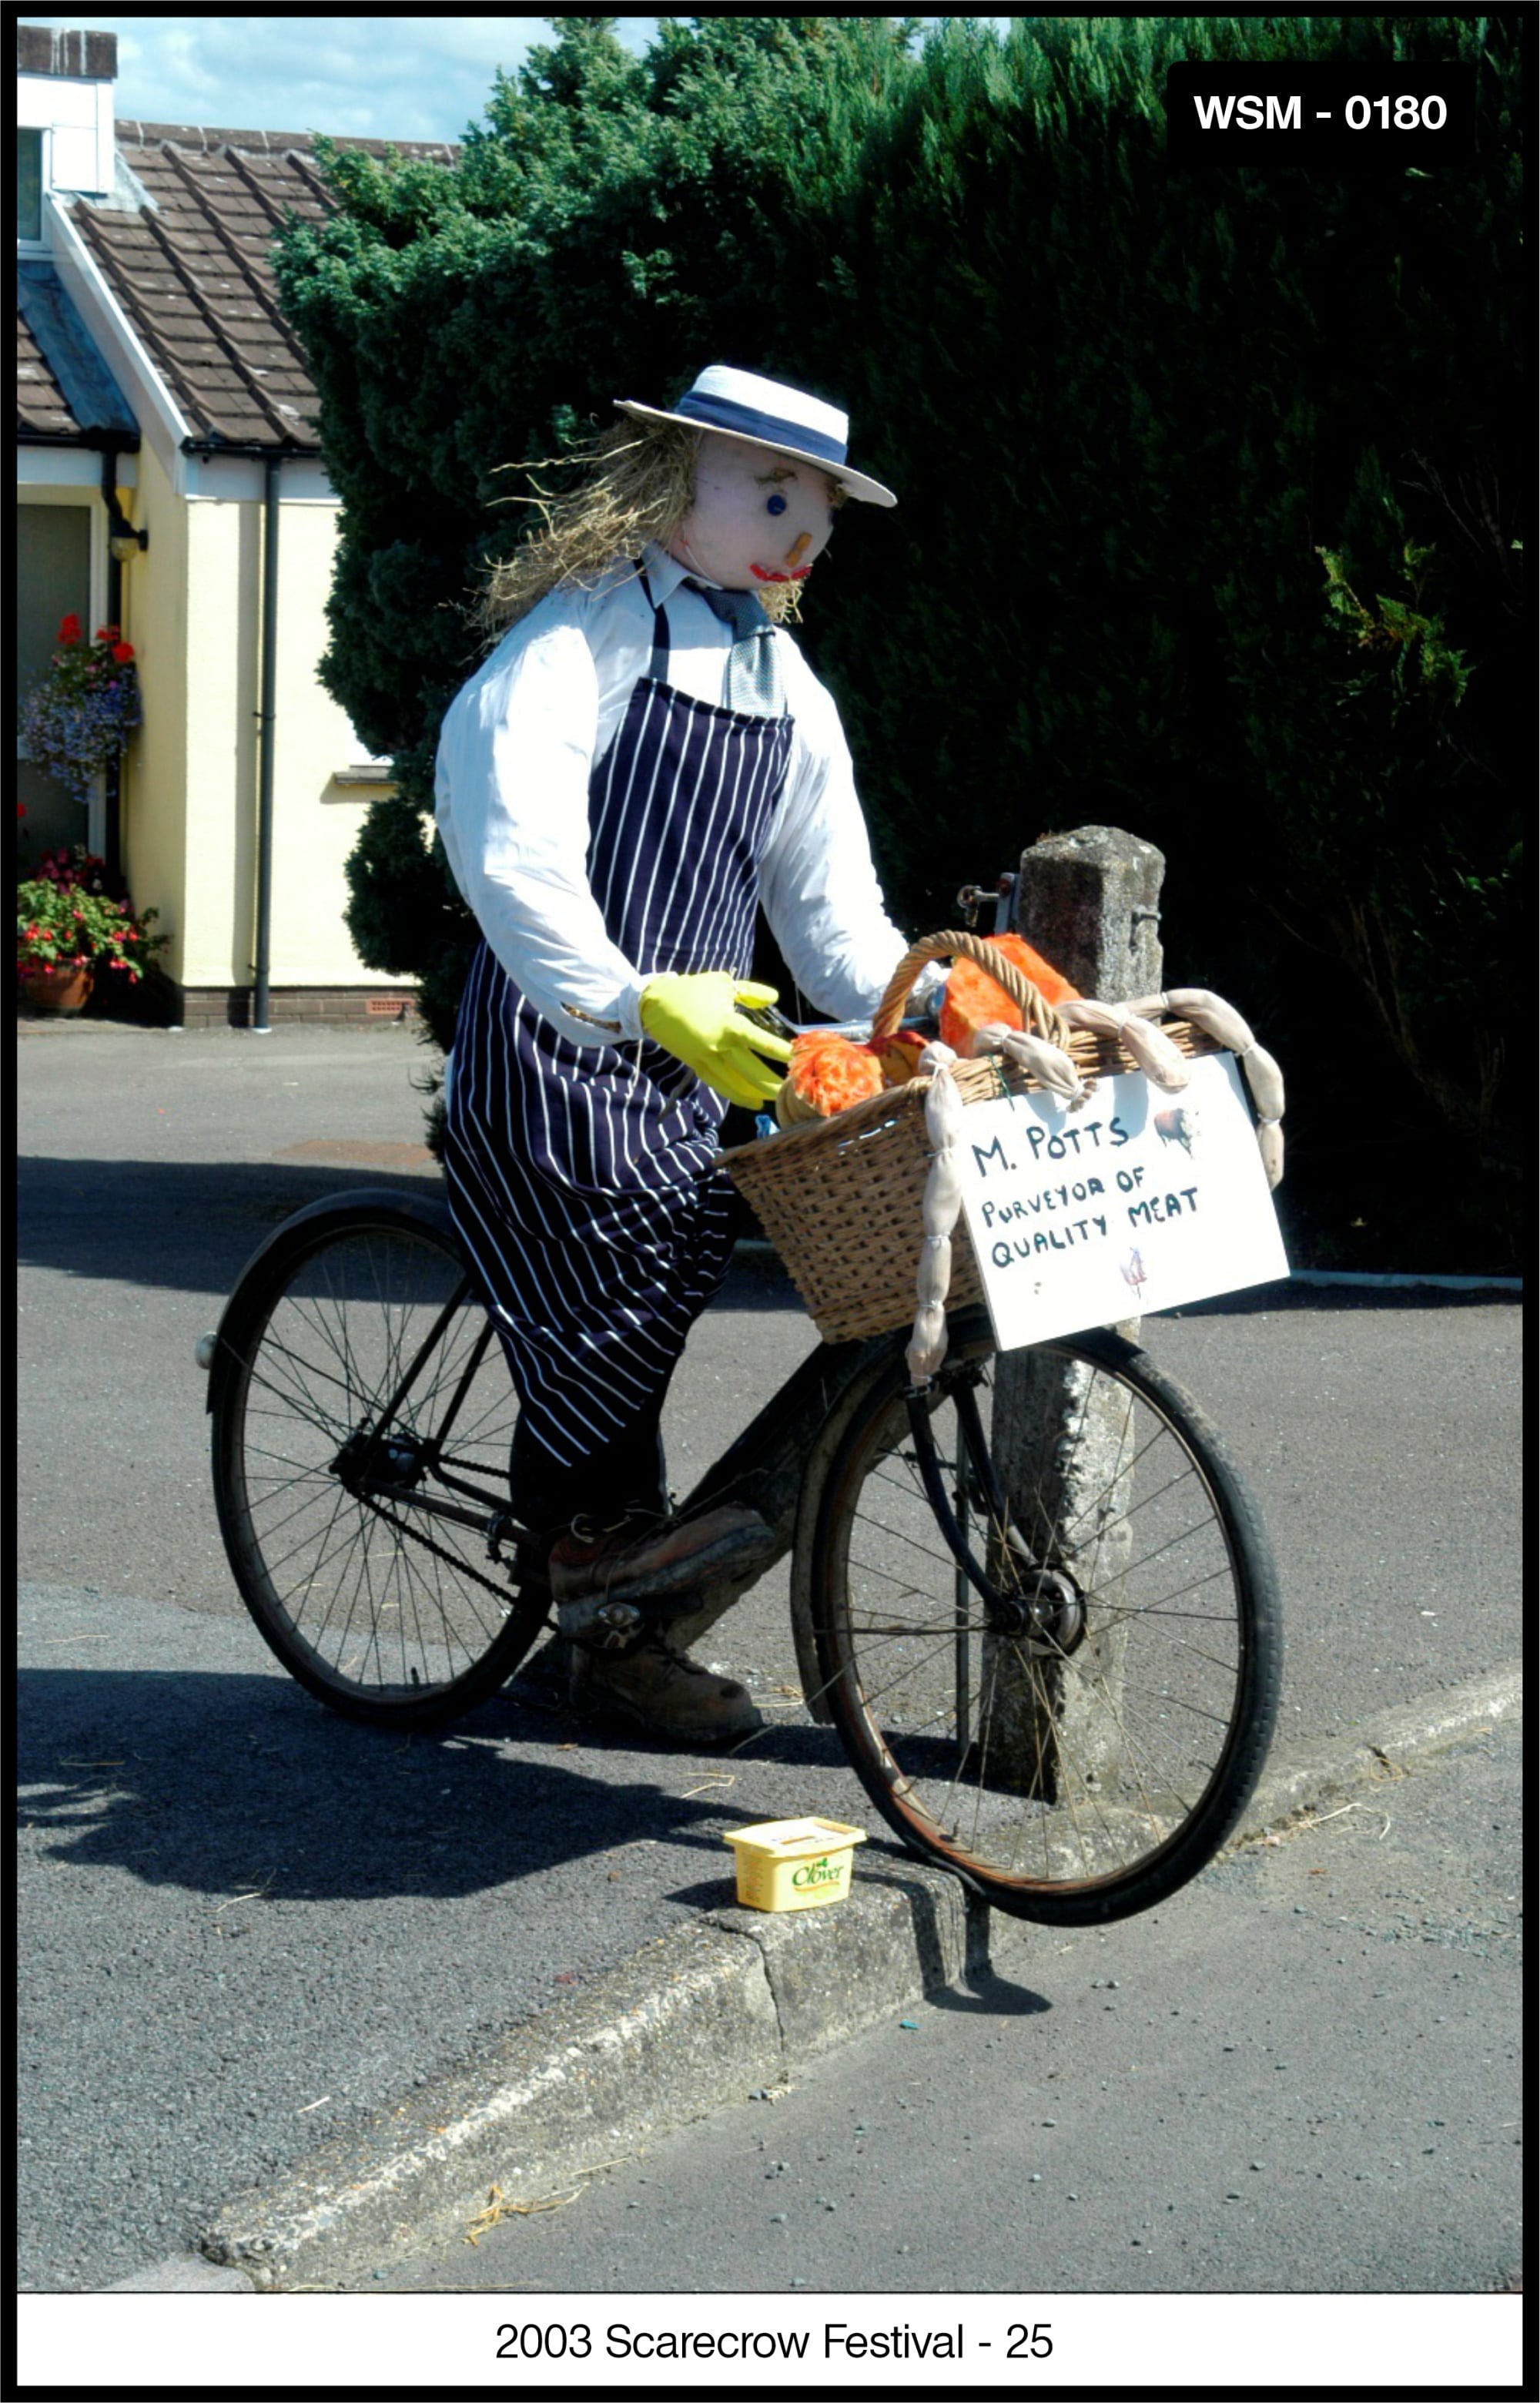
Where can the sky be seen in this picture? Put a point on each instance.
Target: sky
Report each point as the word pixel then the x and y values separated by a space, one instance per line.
pixel 399 79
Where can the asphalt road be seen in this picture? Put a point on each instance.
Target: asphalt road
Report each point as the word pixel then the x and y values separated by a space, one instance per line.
pixel 244 1923
pixel 1303 2078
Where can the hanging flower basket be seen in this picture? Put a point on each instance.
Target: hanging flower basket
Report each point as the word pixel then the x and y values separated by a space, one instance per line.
pixel 76 722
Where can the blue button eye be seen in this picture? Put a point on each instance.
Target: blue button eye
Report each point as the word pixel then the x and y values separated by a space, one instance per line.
pixel 777 504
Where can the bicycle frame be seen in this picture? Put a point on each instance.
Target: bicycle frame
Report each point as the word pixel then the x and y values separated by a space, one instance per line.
pixel 768 1467
pixel 356 1379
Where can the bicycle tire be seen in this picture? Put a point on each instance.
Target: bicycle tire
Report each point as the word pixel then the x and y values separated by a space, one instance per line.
pixel 394 1619
pixel 1080 1761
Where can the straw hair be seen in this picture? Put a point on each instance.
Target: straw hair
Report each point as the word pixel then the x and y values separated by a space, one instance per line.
pixel 635 486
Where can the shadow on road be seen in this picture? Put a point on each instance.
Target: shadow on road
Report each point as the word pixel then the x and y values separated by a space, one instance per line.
pixel 984 1991
pixel 191 1226
pixel 179 1226
pixel 212 1781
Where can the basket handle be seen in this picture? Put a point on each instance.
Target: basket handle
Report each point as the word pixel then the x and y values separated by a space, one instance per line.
pixel 1039 1018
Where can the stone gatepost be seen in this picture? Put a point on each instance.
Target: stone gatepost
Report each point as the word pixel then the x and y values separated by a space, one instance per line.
pixel 1090 903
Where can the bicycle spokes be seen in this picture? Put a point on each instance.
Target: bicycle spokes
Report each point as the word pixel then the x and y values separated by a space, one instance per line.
pixel 1043 1617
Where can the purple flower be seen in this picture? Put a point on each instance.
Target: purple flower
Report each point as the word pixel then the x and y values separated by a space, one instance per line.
pixel 75 723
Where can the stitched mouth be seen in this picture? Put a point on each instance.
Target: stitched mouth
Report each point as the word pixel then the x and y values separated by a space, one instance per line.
pixel 779 576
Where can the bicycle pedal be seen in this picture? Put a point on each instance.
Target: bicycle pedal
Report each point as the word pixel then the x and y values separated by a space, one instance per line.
pixel 601 1626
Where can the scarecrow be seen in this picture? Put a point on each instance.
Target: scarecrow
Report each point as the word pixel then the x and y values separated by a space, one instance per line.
pixel 643 759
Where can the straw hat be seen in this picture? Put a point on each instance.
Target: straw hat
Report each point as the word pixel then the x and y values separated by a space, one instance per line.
pixel 776 416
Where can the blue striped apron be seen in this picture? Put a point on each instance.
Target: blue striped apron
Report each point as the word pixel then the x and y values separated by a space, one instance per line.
pixel 574 1171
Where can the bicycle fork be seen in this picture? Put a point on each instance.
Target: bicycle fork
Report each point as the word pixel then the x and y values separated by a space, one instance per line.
pixel 1043 1610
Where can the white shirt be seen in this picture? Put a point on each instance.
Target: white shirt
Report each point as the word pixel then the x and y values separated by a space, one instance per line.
pixel 518 746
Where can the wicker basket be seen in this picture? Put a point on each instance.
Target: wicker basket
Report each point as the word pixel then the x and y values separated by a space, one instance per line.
pixel 840 1198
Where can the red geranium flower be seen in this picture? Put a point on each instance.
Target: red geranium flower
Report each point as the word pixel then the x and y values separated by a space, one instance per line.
pixel 122 652
pixel 69 629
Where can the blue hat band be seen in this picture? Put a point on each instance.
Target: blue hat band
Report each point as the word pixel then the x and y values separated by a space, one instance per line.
pixel 732 417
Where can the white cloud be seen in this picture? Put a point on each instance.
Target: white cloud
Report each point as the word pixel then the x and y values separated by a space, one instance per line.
pixel 402 79
pixel 395 78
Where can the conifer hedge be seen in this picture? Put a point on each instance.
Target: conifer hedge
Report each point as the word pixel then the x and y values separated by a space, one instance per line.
pixel 1208 482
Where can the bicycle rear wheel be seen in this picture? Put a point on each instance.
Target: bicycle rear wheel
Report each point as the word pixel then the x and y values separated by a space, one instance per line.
pixel 1079 1742
pixel 334 1502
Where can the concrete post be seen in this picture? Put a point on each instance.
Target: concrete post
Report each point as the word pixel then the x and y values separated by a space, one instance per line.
pixel 1090 903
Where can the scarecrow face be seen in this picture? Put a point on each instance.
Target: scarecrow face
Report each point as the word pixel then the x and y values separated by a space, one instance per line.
pixel 757 517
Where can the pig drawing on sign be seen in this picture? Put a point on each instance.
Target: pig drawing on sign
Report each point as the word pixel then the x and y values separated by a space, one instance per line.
pixel 1177 1126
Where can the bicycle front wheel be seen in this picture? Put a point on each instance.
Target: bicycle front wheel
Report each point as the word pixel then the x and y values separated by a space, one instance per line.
pixel 1077 1728
pixel 355 1514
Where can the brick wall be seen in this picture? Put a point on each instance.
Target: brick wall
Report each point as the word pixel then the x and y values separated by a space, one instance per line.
pixel 295 1004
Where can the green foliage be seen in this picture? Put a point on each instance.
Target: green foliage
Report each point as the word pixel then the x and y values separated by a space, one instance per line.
pixel 1207 485
pixel 1132 412
pixel 1405 844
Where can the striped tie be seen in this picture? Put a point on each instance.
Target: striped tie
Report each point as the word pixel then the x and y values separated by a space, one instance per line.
pixel 754 666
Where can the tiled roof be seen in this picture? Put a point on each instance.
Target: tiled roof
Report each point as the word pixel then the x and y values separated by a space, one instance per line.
pixel 191 270
pixel 64 391
pixel 42 412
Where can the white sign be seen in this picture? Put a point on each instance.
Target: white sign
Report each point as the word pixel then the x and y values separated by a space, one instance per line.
pixel 1136 1201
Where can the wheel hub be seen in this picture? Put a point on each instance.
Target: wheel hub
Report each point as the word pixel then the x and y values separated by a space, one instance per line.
pixel 393 1467
pixel 1045 1613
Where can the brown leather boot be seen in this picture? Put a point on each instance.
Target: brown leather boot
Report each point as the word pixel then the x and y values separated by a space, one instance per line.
pixel 634 1562
pixel 665 1692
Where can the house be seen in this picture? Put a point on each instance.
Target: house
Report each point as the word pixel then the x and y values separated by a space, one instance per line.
pixel 171 481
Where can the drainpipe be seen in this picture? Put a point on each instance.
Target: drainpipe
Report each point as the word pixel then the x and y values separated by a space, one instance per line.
pixel 113 839
pixel 260 1023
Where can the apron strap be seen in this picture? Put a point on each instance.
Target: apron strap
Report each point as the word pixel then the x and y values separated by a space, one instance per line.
pixel 658 666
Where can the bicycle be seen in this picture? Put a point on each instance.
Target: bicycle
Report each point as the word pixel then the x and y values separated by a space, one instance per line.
pixel 1035 1600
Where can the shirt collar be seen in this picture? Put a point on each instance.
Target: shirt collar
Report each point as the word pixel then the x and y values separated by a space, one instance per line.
pixel 665 574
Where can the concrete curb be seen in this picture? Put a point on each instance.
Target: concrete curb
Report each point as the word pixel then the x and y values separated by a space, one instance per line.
pixel 1334 1767
pixel 692 2021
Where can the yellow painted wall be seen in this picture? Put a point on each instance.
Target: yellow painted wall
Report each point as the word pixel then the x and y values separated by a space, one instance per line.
pixel 192 610
pixel 154 774
pixel 315 821
pixel 223 555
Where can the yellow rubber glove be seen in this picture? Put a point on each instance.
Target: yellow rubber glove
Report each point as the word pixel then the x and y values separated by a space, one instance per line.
pixel 697 1018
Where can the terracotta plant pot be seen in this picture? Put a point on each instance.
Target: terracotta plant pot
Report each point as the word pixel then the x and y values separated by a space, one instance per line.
pixel 64 993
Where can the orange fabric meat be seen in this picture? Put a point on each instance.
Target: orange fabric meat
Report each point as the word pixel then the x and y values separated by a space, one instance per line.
pixel 899 1055
pixel 973 999
pixel 828 1072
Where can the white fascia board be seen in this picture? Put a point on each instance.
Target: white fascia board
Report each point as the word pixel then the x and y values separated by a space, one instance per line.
pixel 66 467
pixel 226 476
pixel 109 327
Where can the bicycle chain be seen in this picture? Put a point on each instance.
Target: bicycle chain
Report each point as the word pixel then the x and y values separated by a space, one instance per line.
pixel 451 1559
